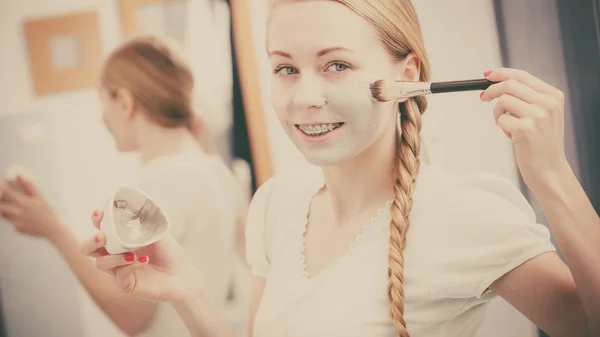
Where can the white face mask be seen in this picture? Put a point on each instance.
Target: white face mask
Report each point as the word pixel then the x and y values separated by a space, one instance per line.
pixel 347 102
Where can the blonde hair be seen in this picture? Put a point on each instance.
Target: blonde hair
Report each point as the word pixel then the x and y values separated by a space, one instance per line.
pixel 161 82
pixel 399 30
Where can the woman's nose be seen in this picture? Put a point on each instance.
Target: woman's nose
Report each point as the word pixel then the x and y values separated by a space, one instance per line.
pixel 309 94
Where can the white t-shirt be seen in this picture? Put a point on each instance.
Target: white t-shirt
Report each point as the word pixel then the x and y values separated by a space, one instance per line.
pixel 198 194
pixel 465 233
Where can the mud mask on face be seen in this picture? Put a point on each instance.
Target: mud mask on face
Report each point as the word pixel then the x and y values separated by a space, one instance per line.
pixel 349 102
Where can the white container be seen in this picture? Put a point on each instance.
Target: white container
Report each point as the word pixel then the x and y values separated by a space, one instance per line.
pixel 131 221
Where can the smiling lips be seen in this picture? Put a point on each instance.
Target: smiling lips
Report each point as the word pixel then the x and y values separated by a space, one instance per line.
pixel 316 130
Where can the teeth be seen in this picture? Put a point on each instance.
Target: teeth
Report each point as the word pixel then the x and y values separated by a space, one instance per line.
pixel 317 130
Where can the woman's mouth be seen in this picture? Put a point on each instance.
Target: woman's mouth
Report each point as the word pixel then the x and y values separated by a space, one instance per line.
pixel 316 130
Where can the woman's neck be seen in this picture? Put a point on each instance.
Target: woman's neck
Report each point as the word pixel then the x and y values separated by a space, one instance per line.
pixel 365 181
pixel 157 141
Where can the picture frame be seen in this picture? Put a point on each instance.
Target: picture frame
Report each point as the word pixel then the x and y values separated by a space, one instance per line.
pixel 251 90
pixel 127 10
pixel 64 52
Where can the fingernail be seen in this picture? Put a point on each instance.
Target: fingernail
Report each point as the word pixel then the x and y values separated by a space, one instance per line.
pixel 487 73
pixel 481 95
pixel 143 259
pixel 95 214
pixel 97 239
pixel 129 257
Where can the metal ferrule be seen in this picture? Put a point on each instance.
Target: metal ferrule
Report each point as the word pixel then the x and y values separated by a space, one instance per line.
pixel 412 89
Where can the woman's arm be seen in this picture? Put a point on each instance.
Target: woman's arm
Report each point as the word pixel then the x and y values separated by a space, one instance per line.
pixel 576 228
pixel 31 214
pixel 130 314
pixel 564 301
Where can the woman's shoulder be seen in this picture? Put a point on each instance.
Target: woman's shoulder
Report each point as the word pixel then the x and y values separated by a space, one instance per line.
pixel 191 169
pixel 476 195
pixel 191 162
pixel 188 180
pixel 290 187
pixel 276 202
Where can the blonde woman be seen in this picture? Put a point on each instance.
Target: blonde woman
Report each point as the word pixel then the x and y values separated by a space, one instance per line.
pixel 373 243
pixel 146 94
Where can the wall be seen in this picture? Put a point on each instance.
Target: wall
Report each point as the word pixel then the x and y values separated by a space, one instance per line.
pixel 88 168
pixel 459 130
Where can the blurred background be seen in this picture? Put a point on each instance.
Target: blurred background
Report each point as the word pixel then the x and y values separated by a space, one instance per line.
pixel 50 120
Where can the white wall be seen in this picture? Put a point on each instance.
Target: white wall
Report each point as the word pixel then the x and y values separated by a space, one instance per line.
pixel 458 129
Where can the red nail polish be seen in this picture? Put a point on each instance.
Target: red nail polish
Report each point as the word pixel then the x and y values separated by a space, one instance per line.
pixel 487 73
pixel 129 257
pixel 143 259
pixel 481 95
pixel 97 239
pixel 95 213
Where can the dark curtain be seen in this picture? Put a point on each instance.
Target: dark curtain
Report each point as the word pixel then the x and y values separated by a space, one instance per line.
pixel 581 46
pixel 2 326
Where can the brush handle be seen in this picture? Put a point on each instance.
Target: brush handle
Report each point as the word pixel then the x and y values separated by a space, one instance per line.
pixel 452 86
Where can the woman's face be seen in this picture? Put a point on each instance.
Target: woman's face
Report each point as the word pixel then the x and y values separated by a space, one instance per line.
pixel 117 112
pixel 324 57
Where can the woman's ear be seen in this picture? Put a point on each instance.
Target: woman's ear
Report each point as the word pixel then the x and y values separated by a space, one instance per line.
pixel 125 102
pixel 409 68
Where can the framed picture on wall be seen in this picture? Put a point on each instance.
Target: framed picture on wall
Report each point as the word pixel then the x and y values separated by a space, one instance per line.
pixel 64 52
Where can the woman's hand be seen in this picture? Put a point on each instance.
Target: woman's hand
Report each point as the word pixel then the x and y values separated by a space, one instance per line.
pixel 531 114
pixel 159 272
pixel 28 210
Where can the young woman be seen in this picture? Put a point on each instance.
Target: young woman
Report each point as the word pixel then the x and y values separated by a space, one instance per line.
pixel 146 93
pixel 373 243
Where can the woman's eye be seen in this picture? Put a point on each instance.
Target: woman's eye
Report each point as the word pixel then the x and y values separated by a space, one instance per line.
pixel 338 67
pixel 286 70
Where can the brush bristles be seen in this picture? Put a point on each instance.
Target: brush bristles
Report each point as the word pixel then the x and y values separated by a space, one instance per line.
pixel 383 90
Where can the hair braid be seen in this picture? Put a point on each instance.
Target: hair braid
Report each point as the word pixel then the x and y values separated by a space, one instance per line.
pixel 408 147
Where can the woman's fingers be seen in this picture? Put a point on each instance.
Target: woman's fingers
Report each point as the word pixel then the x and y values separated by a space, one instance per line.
pixel 8 211
pixel 516 107
pixel 97 218
pixel 514 88
pixel 509 124
pixel 126 276
pixel 520 91
pixel 504 74
pixel 11 194
pixel 27 186
pixel 109 262
pixel 93 244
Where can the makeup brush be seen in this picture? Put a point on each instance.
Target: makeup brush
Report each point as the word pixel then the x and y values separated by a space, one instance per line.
pixel 385 90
